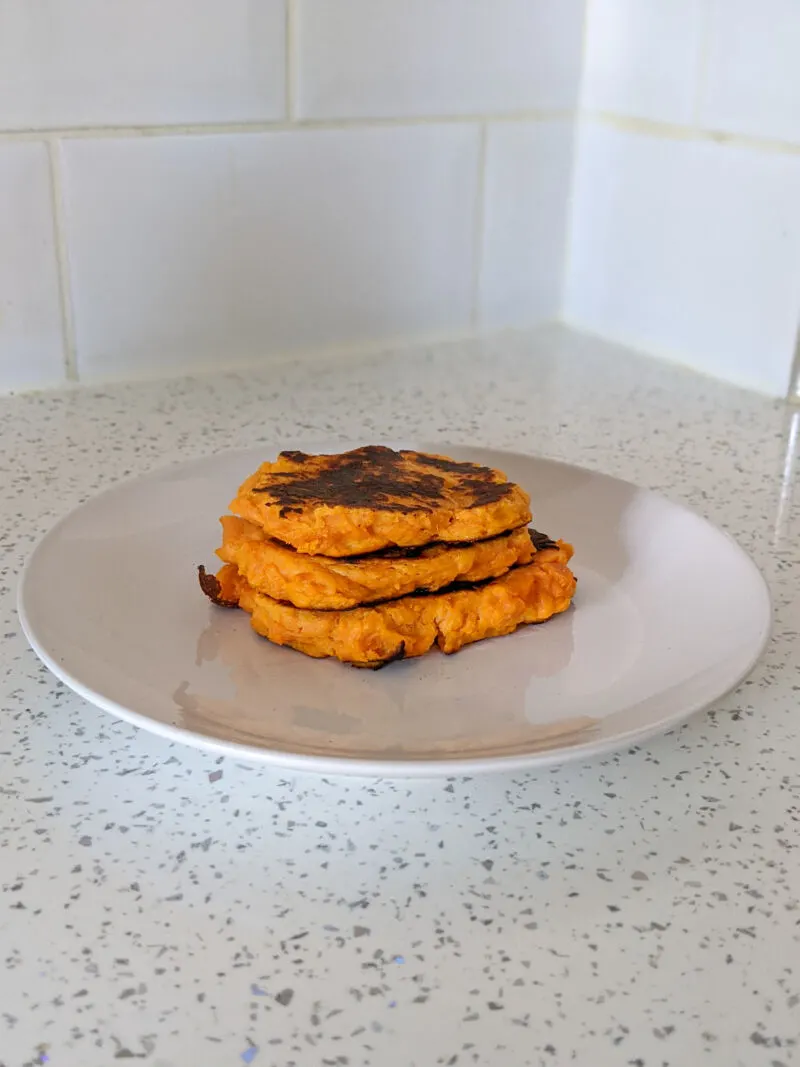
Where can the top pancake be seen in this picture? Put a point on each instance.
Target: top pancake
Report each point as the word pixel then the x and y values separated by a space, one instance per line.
pixel 374 498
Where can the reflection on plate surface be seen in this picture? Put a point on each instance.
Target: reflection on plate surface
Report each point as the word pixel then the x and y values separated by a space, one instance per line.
pixel 425 698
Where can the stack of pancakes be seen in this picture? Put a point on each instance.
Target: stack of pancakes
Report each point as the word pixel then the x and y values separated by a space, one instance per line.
pixel 373 555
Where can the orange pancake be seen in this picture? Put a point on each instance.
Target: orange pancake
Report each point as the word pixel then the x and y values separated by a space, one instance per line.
pixel 373 498
pixel 409 626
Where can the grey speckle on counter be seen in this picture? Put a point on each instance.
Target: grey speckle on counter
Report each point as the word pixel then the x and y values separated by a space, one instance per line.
pixel 170 908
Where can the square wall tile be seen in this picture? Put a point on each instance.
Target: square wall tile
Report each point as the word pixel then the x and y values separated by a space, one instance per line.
pixel 528 169
pixel 201 251
pixel 384 58
pixel 643 58
pixel 688 249
pixel 753 79
pixel 152 62
pixel 31 346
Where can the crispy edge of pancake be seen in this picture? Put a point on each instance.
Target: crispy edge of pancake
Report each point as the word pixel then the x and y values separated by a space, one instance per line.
pixel 212 587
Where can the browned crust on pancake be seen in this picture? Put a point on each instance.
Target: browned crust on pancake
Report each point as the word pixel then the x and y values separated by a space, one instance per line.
pixel 378 478
pixel 373 498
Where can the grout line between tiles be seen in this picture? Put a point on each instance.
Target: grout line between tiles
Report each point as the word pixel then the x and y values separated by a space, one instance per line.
pixel 668 131
pixel 650 127
pixel 290 58
pixel 278 126
pixel 479 234
pixel 62 260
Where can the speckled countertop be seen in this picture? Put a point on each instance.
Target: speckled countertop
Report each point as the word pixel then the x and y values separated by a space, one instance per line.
pixel 163 906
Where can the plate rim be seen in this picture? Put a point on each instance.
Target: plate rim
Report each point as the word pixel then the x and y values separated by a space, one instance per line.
pixel 352 766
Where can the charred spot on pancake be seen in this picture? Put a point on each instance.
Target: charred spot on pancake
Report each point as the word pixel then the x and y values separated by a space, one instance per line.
pixel 379 478
pixel 452 466
pixel 490 493
pixel 541 541
pixel 480 480
pixel 209 583
pixel 461 586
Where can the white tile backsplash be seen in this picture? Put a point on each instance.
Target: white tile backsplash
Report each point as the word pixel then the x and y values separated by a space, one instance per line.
pixel 528 167
pixel 384 58
pixel 115 62
pixel 200 250
pixel 31 350
pixel 643 58
pixel 753 78
pixel 689 249
pixel 418 180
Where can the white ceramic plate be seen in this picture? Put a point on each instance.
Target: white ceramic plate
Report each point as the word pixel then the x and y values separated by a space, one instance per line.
pixel 669 615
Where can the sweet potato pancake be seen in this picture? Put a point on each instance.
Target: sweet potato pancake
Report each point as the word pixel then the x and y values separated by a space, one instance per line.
pixel 376 635
pixel 279 571
pixel 373 498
